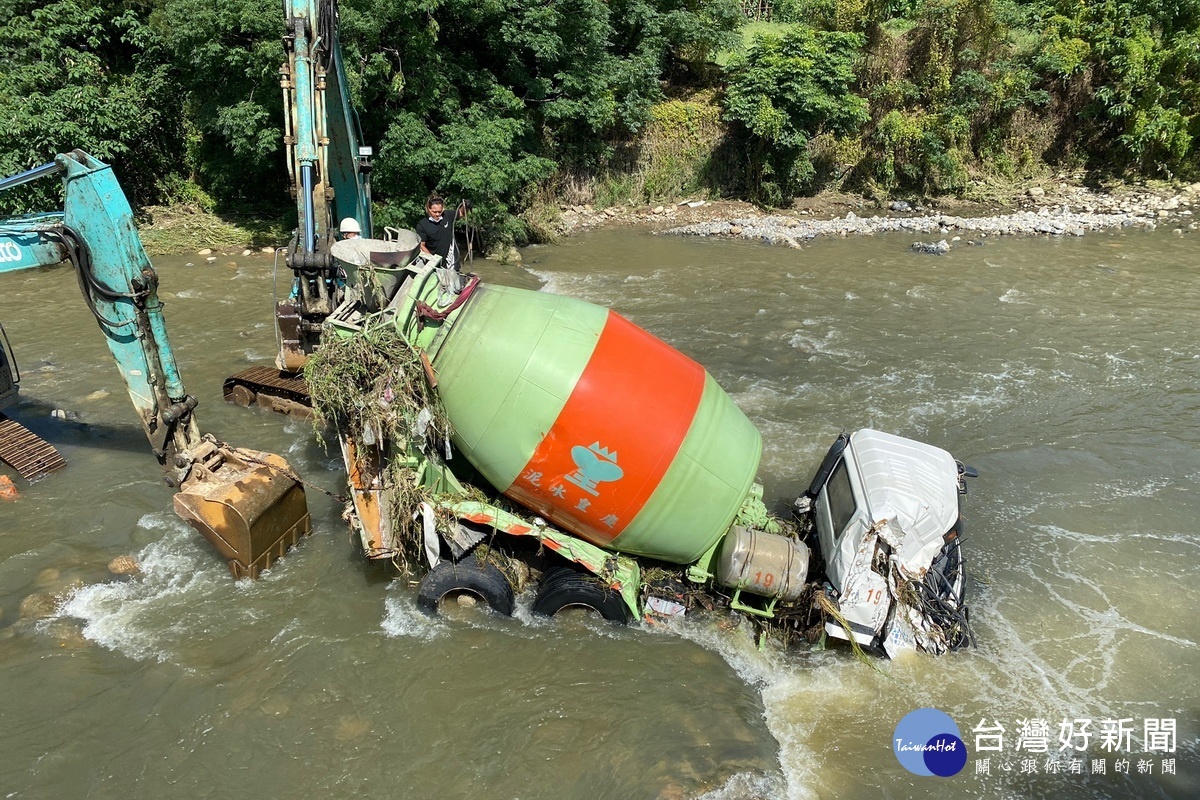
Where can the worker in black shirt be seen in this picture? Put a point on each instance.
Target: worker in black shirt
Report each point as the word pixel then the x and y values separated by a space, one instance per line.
pixel 437 229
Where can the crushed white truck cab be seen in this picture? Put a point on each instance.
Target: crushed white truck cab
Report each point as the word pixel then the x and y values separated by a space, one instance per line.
pixel 888 517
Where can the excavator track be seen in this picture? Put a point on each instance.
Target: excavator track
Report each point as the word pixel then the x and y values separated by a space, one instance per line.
pixel 270 388
pixel 26 452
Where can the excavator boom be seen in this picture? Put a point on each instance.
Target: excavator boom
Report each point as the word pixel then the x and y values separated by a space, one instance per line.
pixel 329 174
pixel 247 503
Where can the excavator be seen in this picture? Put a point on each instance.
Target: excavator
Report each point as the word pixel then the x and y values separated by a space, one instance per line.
pixel 247 503
pixel 330 179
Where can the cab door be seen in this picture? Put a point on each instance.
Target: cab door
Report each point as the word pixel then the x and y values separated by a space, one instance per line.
pixel 841 522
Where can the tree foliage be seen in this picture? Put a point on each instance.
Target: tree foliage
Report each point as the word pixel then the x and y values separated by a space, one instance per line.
pixel 492 99
pixel 946 90
pixel 785 92
pixel 1142 61
pixel 487 99
pixel 227 55
pixel 90 74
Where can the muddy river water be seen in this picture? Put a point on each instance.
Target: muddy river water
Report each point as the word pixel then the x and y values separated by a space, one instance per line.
pixel 1067 372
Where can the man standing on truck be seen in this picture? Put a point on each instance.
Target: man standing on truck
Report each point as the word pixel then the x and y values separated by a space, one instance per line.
pixel 437 229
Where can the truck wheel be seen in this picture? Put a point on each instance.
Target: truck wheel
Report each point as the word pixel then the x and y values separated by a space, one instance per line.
pixel 563 587
pixel 468 576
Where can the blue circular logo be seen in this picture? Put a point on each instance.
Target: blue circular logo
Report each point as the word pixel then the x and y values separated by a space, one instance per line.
pixel 927 742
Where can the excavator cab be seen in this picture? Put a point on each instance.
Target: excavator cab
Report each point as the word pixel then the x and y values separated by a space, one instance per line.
pixel 9 376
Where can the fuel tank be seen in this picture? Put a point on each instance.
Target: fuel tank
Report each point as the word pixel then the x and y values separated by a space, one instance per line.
pixel 594 424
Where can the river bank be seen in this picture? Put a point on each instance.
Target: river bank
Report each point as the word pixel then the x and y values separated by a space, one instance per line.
pixel 1057 209
pixel 1063 210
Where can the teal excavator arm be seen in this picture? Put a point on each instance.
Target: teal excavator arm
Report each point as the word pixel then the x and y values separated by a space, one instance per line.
pixel 330 176
pixel 247 503
pixel 328 169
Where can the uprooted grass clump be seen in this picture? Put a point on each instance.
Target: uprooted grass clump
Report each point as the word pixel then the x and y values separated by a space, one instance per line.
pixel 372 386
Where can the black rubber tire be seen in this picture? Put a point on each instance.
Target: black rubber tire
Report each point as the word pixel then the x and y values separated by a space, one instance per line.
pixel 563 587
pixel 485 581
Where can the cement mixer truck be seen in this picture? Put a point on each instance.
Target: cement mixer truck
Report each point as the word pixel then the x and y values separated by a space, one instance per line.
pixel 500 441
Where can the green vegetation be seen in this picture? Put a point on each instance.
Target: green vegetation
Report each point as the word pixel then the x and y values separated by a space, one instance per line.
pixel 520 105
pixel 185 226
pixel 371 386
pixel 782 94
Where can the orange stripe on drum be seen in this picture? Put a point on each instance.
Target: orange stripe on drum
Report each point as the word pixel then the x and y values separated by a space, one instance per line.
pixel 615 437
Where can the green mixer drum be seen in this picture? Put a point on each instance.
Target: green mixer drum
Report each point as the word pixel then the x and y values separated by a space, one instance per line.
pixel 594 424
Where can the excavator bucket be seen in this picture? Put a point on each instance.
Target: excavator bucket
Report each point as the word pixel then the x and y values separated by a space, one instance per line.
pixel 248 504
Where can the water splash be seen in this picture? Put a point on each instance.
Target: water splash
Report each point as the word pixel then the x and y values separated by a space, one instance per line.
pixel 128 615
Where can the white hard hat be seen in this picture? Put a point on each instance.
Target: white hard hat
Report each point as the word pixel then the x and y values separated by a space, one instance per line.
pixel 350 225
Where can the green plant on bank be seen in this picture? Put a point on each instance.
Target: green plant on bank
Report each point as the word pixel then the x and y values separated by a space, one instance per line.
pixel 82 73
pixel 499 99
pixel 616 188
pixel 836 158
pixel 176 190
pixel 183 227
pixel 694 121
pixel 950 95
pixel 784 92
pixel 670 156
pixel 1138 66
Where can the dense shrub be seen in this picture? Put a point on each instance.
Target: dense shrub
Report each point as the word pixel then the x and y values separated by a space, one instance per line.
pixel 1141 61
pixel 785 91
pixel 90 74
